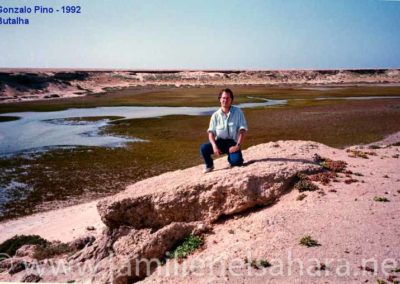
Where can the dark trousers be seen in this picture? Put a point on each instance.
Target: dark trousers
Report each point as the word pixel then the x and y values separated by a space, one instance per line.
pixel 234 159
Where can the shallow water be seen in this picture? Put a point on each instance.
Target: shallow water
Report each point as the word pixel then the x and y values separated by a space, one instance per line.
pixel 40 130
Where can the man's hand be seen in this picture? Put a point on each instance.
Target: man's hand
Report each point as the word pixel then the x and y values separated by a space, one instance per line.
pixel 217 152
pixel 234 149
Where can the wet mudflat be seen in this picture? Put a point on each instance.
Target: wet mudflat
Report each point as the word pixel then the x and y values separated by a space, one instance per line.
pixel 34 181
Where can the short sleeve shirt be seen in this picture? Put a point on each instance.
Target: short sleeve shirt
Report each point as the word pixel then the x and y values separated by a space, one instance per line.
pixel 227 126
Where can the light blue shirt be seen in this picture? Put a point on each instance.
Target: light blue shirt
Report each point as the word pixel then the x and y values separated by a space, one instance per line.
pixel 227 126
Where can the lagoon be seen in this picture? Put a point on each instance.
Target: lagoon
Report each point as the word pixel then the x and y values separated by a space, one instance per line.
pixel 41 130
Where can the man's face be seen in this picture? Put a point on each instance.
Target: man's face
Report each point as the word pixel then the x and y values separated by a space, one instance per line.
pixel 225 100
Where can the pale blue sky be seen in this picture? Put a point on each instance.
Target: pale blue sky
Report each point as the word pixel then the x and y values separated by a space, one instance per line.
pixel 207 34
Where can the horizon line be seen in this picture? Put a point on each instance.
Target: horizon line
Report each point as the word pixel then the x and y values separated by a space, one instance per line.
pixel 189 70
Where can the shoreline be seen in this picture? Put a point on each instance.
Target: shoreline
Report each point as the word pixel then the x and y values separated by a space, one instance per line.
pixel 47 223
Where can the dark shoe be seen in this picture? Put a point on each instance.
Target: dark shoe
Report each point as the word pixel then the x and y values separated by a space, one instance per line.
pixel 207 170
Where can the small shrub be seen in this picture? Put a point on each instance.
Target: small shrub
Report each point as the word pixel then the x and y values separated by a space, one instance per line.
pixel 334 166
pixel 305 185
pixel 10 246
pixel 257 264
pixel 52 249
pixel 188 246
pixel 381 199
pixel 360 154
pixel 379 281
pixel 308 242
pixel 374 147
pixel 396 270
pixel 302 176
pixel 358 174
pixel 324 178
pixel 350 180
pixel 395 144
pixel 301 196
pixel 321 266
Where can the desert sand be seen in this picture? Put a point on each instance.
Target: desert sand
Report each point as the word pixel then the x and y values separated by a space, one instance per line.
pixel 65 224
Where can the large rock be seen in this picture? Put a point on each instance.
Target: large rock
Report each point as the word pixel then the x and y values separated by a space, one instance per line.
pixel 126 255
pixel 151 217
pixel 188 195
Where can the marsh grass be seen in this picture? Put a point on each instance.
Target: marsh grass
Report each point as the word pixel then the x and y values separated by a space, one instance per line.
pixel 197 96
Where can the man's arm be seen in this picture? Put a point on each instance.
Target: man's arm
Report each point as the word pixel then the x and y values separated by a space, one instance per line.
pixel 239 142
pixel 211 138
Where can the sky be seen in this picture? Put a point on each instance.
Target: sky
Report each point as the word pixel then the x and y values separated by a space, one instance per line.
pixel 206 34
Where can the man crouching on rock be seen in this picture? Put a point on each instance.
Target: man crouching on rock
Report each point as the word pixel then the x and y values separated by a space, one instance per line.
pixel 225 133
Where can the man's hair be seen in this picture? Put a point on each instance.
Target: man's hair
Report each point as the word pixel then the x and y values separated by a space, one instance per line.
pixel 228 91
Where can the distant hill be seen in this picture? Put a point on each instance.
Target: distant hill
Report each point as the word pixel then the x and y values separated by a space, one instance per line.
pixel 35 84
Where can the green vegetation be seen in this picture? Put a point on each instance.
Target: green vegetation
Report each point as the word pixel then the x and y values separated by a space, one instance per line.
pixel 10 246
pixel 381 199
pixel 50 250
pixel 305 185
pixel 198 96
pixel 187 247
pixel 334 166
pixel 44 249
pixel 257 264
pixel 308 242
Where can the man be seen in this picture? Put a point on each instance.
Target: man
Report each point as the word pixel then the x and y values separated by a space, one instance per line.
pixel 225 133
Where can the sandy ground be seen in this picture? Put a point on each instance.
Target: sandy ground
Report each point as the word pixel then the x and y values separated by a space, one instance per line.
pixel 64 224
pixel 354 231
pixel 75 219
